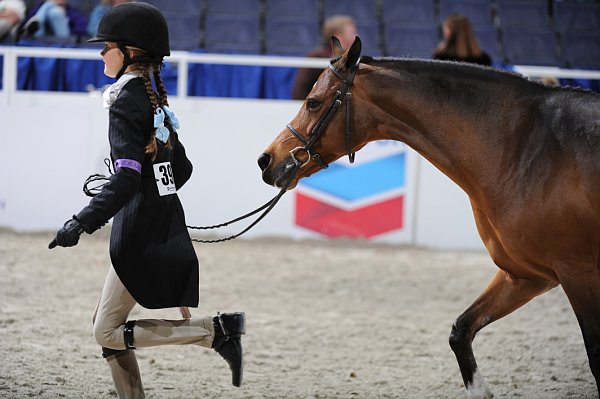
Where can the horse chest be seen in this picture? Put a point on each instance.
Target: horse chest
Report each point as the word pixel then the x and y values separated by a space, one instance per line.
pixel 517 245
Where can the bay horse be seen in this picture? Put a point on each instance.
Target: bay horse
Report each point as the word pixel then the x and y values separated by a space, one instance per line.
pixel 527 155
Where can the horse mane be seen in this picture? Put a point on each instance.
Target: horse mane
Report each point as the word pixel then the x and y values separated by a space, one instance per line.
pixel 466 69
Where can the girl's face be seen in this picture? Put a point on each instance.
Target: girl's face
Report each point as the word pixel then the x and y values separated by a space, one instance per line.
pixel 113 59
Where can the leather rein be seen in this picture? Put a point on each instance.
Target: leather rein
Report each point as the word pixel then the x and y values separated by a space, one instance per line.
pixel 317 132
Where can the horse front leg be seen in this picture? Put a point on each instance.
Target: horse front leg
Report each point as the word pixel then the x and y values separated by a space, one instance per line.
pixel 503 295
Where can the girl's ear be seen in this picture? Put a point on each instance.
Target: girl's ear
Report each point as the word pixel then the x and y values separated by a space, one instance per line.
pixel 133 53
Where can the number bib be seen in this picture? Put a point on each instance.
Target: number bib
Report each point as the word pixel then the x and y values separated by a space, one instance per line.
pixel 165 182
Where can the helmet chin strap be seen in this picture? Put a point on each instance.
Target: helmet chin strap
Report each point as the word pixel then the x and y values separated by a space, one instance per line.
pixel 126 59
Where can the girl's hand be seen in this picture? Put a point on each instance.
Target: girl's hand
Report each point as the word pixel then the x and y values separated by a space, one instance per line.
pixel 68 235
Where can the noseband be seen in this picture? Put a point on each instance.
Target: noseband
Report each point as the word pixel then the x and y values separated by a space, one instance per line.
pixel 319 128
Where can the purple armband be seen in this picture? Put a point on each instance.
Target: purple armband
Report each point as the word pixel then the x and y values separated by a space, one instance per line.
pixel 128 163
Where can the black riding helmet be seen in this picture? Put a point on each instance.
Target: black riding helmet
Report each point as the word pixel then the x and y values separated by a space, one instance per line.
pixel 135 24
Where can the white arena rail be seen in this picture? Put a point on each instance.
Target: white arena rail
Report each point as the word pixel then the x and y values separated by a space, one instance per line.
pixel 181 58
pixel 184 58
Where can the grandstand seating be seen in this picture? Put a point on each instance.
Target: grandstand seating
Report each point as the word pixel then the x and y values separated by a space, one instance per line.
pixel 232 26
pixel 252 7
pixel 488 40
pixel 366 15
pixel 479 12
pixel 522 13
pixel 407 11
pixel 369 35
pixel 291 27
pixel 232 33
pixel 184 30
pixel 292 8
pixel 578 26
pixel 174 7
pixel 530 47
pixel 184 27
pixel 577 16
pixel 361 10
pixel 581 49
pixel 288 35
pixel 386 27
pixel 411 40
pixel 409 29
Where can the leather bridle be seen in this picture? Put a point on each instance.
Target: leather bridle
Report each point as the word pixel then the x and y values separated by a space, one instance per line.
pixel 319 128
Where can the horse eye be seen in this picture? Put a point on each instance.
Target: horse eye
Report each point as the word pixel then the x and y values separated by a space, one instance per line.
pixel 311 103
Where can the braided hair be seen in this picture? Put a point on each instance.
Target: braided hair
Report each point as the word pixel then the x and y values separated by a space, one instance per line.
pixel 157 100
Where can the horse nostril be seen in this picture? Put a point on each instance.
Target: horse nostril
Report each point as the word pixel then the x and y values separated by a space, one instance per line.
pixel 263 161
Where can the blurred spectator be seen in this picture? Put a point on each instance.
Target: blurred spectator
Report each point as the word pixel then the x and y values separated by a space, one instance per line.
pixel 460 42
pixel 340 26
pixel 12 13
pixel 55 18
pixel 98 12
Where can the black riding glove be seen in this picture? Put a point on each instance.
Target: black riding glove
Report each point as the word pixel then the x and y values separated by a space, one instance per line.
pixel 68 235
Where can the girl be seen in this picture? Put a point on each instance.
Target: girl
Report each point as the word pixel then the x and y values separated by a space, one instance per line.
pixel 153 260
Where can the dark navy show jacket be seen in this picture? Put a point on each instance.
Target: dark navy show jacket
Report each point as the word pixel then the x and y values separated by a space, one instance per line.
pixel 150 247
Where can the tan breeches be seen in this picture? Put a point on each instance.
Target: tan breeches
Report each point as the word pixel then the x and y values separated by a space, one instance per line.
pixel 114 308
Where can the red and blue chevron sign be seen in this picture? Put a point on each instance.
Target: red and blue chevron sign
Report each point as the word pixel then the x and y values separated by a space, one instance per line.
pixel 363 200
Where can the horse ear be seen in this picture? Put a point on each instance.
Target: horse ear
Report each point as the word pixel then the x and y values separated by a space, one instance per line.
pixel 354 53
pixel 336 46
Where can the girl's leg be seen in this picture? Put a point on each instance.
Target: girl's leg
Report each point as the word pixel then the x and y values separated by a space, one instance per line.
pixel 112 310
pixel 222 333
pixel 112 330
pixel 125 373
pixel 155 332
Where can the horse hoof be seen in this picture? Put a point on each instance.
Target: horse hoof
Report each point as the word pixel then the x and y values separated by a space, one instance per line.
pixel 478 388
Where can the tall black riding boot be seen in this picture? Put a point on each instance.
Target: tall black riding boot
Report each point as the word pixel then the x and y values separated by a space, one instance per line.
pixel 125 373
pixel 229 327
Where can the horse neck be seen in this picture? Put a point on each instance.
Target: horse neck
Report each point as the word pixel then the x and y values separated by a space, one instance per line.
pixel 456 121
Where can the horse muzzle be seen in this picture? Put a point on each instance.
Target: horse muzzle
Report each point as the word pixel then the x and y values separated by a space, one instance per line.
pixel 280 175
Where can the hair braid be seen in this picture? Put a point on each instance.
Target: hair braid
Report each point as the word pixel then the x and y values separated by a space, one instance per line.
pixel 145 69
pixel 162 91
pixel 156 102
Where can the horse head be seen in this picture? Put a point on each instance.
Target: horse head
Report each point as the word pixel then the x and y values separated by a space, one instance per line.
pixel 323 130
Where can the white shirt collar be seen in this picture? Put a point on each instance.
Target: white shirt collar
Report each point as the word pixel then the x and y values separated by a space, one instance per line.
pixel 110 95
